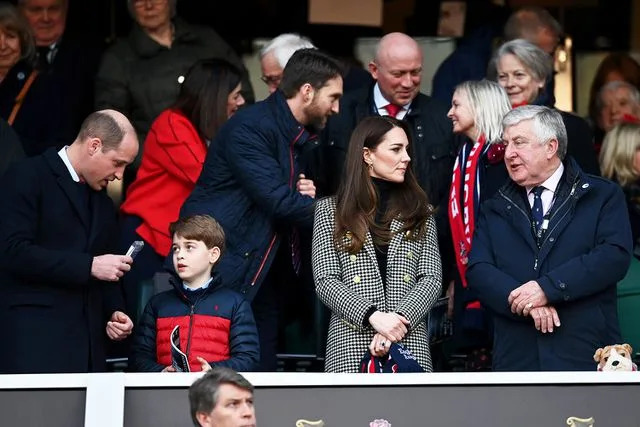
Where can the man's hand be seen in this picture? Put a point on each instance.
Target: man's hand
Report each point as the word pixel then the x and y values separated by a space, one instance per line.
pixel 528 296
pixel 379 345
pixel 204 364
pixel 392 326
pixel 169 369
pixel 306 186
pixel 110 268
pixel 119 327
pixel 545 318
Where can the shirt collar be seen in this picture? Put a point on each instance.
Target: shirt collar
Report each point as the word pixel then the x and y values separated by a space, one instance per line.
pixel 552 182
pixel 65 159
pixel 381 101
pixel 205 286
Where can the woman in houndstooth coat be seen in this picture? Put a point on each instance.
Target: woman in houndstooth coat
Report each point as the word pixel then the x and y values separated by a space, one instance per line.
pixel 375 255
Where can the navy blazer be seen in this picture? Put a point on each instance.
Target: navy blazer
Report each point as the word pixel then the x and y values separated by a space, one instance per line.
pixel 53 314
pixel 582 255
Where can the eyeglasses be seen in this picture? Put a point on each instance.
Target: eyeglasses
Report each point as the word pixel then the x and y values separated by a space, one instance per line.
pixel 142 3
pixel 272 80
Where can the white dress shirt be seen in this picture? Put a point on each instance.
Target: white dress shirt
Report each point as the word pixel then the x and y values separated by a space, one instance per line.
pixel 65 159
pixel 381 104
pixel 549 190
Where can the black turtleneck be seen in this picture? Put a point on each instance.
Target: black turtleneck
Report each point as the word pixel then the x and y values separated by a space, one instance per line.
pixel 384 189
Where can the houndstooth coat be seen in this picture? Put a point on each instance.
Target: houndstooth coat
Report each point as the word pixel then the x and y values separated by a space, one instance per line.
pixel 350 284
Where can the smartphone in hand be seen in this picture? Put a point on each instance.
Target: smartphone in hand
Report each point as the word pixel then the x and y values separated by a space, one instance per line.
pixel 135 248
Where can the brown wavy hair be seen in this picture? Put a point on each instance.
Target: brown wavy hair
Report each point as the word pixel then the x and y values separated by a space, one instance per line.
pixel 357 198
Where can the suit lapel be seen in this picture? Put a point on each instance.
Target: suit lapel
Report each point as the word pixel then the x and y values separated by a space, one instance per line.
pixel 396 240
pixel 68 185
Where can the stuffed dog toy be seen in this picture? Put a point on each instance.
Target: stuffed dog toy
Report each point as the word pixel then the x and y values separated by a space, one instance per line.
pixel 615 357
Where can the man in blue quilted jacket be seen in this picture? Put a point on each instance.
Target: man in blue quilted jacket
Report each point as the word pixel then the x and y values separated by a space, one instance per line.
pixel 251 183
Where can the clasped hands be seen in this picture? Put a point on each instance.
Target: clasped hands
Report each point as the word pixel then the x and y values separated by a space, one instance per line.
pixel 529 300
pixel 390 328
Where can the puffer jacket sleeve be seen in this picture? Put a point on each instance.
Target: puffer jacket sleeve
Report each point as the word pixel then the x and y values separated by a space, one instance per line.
pixel 143 350
pixel 243 340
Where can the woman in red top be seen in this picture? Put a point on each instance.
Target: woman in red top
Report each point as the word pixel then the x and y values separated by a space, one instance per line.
pixel 174 152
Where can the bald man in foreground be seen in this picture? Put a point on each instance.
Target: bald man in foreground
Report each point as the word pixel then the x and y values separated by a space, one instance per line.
pixel 397 70
pixel 60 297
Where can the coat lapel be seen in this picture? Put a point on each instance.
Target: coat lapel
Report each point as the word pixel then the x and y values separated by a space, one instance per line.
pixel 68 186
pixel 396 240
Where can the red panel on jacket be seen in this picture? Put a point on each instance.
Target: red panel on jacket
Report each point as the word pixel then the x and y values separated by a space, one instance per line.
pixel 210 338
pixel 171 163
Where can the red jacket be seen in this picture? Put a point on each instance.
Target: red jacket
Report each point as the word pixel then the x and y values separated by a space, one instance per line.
pixel 171 163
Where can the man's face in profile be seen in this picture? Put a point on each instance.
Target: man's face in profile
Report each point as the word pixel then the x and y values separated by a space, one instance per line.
pixel 234 408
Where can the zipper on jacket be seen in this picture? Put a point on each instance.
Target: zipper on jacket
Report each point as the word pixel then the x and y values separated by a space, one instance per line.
pixel 291 185
pixel 264 259
pixel 193 308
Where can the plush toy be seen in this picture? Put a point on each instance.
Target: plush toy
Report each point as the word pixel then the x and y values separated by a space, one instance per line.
pixel 615 357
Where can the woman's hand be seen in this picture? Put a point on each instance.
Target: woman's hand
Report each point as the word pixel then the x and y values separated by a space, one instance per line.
pixel 390 325
pixel 379 346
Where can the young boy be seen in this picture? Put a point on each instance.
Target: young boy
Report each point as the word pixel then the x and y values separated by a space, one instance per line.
pixel 216 324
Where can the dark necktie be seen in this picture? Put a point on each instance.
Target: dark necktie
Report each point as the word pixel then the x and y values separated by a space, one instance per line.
pixel 536 210
pixel 393 109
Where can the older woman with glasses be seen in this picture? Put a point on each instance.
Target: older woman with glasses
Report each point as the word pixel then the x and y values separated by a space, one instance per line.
pixel 522 69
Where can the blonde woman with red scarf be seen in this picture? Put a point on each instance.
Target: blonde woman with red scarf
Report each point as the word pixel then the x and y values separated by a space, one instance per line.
pixel 477 108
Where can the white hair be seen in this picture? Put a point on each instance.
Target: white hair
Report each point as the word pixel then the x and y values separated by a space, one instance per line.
pixel 284 46
pixel 547 124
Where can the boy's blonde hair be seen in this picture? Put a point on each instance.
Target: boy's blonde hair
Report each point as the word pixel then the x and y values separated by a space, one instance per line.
pixel 200 227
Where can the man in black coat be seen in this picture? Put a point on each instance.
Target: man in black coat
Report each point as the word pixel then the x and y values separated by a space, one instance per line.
pixel 56 307
pixel 11 148
pixel 397 69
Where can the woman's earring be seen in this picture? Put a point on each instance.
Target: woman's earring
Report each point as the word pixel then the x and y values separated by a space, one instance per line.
pixel 370 165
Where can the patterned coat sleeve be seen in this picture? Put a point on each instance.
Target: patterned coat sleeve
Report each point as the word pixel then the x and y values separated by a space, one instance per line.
pixel 415 305
pixel 327 272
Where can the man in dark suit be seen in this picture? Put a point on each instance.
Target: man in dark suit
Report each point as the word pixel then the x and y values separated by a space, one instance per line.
pixel 548 252
pixel 397 70
pixel 57 227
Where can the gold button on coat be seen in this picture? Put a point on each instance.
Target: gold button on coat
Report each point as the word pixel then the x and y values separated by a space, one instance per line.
pixel 356 279
pixel 352 258
pixel 407 278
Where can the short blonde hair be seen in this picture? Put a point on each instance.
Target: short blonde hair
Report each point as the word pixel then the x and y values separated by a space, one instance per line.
pixel 618 151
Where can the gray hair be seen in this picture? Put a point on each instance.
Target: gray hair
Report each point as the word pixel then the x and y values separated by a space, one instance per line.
pixel 634 93
pixel 203 393
pixel 547 124
pixel 13 20
pixel 172 8
pixel 534 59
pixel 284 46
pixel 488 103
pixel 526 22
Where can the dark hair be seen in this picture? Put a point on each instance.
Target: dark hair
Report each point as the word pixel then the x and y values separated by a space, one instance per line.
pixel 103 126
pixel 527 21
pixel 199 227
pixel 204 93
pixel 12 20
pixel 357 197
pixel 620 62
pixel 203 394
pixel 308 66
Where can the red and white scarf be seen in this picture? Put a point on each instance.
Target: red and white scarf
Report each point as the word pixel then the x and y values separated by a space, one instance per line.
pixel 462 222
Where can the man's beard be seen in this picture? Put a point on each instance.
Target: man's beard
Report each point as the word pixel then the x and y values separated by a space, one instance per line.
pixel 317 120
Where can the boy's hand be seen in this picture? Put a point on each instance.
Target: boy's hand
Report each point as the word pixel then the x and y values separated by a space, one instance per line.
pixel 169 369
pixel 204 364
pixel 119 327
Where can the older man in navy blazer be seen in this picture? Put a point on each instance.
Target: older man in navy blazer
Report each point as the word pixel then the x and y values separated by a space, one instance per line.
pixel 57 306
pixel 548 252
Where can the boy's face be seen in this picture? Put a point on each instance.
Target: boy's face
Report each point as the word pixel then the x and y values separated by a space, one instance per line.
pixel 193 260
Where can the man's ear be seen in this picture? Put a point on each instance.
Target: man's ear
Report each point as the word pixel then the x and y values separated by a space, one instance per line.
pixel 203 419
pixel 373 69
pixel 94 145
pixel 307 92
pixel 552 148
